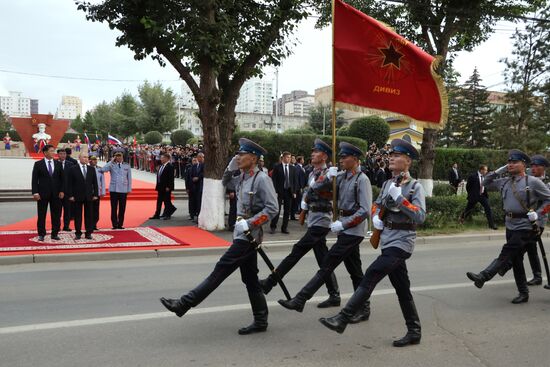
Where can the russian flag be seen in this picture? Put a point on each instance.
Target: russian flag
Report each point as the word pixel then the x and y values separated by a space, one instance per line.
pixel 86 139
pixel 97 140
pixel 112 140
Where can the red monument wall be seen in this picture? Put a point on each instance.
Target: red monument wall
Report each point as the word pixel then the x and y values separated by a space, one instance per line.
pixel 26 127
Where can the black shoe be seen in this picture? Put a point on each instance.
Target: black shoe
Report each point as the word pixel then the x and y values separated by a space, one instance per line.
pixel 166 218
pixel 120 227
pixel 408 339
pixel 96 229
pixel 77 237
pixel 292 304
pixel 88 237
pixel 362 315
pixel 41 238
pixel 336 323
pixel 154 217
pixel 56 238
pixel 66 229
pixel 521 298
pixel 175 305
pixel 252 328
pixel 535 281
pixel 172 211
pixel 266 285
pixel 272 230
pixel 331 301
pixel 494 227
pixel 285 231
pixel 292 218
pixel 478 279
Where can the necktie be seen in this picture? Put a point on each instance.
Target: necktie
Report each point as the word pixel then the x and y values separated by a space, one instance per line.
pixel 84 170
pixel 50 169
pixel 286 177
pixel 160 170
pixel 481 184
pixel 119 166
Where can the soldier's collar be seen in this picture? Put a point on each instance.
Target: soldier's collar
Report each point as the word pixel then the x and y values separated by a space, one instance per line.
pixel 406 179
pixel 252 171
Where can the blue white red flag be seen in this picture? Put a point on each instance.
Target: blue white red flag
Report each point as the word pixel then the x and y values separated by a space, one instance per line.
pixel 112 140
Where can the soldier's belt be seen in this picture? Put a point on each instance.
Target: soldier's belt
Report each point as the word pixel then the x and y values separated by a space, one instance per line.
pixel 516 215
pixel 320 210
pixel 400 226
pixel 347 213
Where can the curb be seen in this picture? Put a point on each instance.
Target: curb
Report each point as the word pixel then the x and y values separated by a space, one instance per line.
pixel 271 246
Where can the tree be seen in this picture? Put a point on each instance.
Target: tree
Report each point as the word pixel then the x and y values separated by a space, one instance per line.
pixel 441 27
pixel 473 121
pixel 372 129
pixel 158 108
pixel 446 136
pixel 78 124
pixel 320 119
pixel 223 43
pixel 126 115
pixel 153 137
pixel 4 121
pixel 88 121
pixel 102 118
pixel 180 137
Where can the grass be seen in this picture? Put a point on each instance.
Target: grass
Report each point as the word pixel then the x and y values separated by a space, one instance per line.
pixel 475 223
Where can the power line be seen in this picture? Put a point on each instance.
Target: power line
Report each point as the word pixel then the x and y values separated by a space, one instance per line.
pixel 81 78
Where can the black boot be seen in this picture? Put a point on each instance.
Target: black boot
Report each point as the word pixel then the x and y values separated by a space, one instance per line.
pixel 521 298
pixel 331 301
pixel 356 303
pixel 504 268
pixel 362 315
pixel 333 293
pixel 537 279
pixel 259 310
pixel 485 275
pixel 299 301
pixel 412 321
pixel 177 306
pixel 267 284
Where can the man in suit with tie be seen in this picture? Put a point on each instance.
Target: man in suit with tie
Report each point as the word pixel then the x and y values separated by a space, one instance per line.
pixel 119 187
pixel 164 188
pixel 300 182
pixel 284 176
pixel 100 187
pixel 48 188
pixel 83 191
pixel 65 203
pixel 478 194
pixel 194 190
pixel 454 177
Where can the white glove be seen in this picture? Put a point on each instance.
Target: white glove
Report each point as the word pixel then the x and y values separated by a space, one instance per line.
pixel 336 226
pixel 377 223
pixel 533 216
pixel 304 205
pixel 502 170
pixel 332 172
pixel 394 191
pixel 233 165
pixel 241 226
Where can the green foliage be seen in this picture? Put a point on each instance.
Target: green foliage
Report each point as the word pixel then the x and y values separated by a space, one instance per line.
pixel 296 144
pixel 4 122
pixel 443 189
pixel 13 134
pixel 343 131
pixel 307 131
pixel 181 137
pixel 468 160
pixel 153 137
pixel 321 116
pixel 158 108
pixel 78 124
pixel 126 114
pixel 375 192
pixel 373 129
pixel 70 137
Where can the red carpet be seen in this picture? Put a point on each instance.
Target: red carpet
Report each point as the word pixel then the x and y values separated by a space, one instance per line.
pixel 195 237
pixel 143 237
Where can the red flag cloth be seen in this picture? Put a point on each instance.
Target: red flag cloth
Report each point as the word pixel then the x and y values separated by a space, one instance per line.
pixel 376 68
pixel 134 142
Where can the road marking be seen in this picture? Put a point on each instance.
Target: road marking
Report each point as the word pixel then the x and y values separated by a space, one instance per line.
pixel 208 310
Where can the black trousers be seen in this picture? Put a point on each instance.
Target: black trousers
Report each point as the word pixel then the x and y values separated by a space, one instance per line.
pixel 345 249
pixel 118 208
pixel 66 206
pixel 232 217
pixel 285 201
pixel 195 201
pixel 164 197
pixel 89 223
pixel 315 238
pixel 96 211
pixel 486 208
pixel 513 251
pixel 240 255
pixel 533 256
pixel 55 215
pixel 296 203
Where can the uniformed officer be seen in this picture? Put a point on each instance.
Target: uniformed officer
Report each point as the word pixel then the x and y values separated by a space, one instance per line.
pixel 119 187
pixel 406 208
pixel 521 195
pixel 256 204
pixel 354 203
pixel 318 205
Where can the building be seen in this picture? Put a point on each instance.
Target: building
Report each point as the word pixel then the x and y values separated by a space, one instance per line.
pixel 70 108
pixel 288 97
pixel 186 99
pixel 299 107
pixel 256 96
pixel 34 106
pixel 15 105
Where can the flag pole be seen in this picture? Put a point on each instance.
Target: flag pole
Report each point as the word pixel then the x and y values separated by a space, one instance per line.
pixel 334 162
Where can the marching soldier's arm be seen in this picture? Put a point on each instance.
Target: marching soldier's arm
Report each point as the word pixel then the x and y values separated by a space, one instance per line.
pixel 364 197
pixel 268 198
pixel 492 181
pixel 543 194
pixel 416 210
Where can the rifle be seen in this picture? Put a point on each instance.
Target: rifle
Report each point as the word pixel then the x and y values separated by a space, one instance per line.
pixel 545 261
pixel 267 261
pixel 376 233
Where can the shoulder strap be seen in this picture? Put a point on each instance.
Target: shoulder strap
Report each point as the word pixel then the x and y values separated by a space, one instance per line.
pixel 356 189
pixel 412 190
pixel 251 192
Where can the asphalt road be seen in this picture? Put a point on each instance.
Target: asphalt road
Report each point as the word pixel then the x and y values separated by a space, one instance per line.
pixel 107 314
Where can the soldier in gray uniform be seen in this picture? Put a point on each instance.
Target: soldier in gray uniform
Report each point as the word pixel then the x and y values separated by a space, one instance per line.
pixel 406 208
pixel 521 195
pixel 256 204
pixel 354 203
pixel 119 187
pixel 318 205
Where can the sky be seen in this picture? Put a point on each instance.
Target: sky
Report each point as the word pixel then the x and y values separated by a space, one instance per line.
pixel 51 37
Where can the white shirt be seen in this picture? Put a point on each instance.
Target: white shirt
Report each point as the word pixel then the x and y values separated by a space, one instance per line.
pixel 52 163
pixel 481 188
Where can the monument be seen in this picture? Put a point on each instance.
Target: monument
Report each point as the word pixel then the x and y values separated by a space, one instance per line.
pixel 39 130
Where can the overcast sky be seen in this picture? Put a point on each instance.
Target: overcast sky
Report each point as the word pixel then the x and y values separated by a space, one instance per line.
pixel 51 37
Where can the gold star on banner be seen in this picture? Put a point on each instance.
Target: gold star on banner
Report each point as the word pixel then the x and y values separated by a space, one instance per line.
pixel 391 56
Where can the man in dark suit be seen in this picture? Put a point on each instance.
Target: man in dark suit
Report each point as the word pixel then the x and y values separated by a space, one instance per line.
pixel 83 190
pixel 164 188
pixel 68 157
pixel 65 203
pixel 478 194
pixel 300 182
pixel 283 177
pixel 454 177
pixel 194 185
pixel 48 187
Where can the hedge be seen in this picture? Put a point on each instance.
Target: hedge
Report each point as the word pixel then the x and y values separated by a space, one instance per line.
pixel 298 144
pixel 153 137
pixel 468 160
pixel 13 135
pixel 180 137
pixel 443 190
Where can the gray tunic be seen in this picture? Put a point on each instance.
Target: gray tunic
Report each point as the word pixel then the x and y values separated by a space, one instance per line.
pixel 121 177
pixel 410 207
pixel 264 200
pixel 539 197
pixel 351 197
pixel 319 202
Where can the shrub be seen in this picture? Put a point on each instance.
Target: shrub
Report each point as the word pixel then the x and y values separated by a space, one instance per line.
pixel 373 129
pixel 180 137
pixel 13 135
pixel 468 160
pixel 153 137
pixel 443 190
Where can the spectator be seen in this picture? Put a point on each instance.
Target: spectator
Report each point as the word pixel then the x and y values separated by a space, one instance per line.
pixel 478 194
pixel 454 177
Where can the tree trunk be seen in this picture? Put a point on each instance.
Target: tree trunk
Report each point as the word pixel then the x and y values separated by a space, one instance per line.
pixel 427 158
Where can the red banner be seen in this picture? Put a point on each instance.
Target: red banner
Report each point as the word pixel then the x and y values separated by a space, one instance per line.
pixel 376 68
